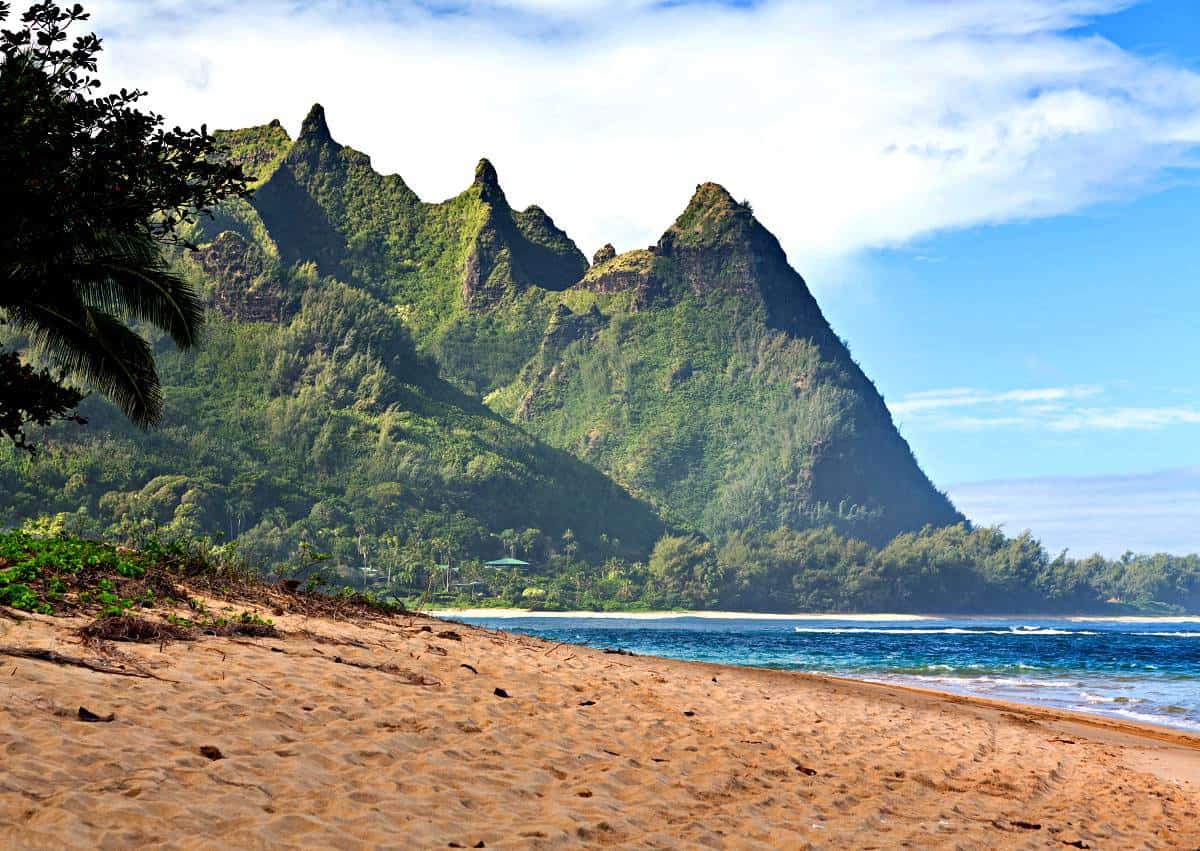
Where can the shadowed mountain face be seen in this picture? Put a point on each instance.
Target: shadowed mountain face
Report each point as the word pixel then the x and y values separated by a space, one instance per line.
pixel 384 366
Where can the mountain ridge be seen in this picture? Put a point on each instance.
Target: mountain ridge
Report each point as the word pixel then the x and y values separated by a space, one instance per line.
pixel 482 289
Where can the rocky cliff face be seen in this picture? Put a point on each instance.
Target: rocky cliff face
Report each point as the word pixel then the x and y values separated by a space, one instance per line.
pixel 242 288
pixel 513 251
pixel 635 272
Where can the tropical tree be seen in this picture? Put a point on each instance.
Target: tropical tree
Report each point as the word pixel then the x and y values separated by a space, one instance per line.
pixel 32 396
pixel 685 568
pixel 509 539
pixel 94 189
pixel 569 545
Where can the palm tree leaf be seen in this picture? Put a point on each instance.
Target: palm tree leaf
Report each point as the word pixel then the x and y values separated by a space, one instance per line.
pixel 99 349
pixel 127 276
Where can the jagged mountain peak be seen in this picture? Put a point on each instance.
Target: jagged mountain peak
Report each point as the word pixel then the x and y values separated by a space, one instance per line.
pixel 488 182
pixel 709 195
pixel 535 212
pixel 258 149
pixel 314 127
pixel 711 215
pixel 603 254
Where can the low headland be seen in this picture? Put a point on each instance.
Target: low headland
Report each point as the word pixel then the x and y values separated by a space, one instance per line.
pixel 162 700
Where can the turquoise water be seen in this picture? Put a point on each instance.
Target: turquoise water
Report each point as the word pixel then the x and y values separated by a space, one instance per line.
pixel 1142 670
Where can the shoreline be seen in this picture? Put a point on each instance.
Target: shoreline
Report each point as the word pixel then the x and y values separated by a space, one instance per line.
pixel 1096 719
pixel 661 615
pixel 1129 732
pixel 1132 727
pixel 1020 689
pixel 866 617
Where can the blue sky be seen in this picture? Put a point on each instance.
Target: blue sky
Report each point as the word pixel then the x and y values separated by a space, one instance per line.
pixel 995 201
pixel 1095 309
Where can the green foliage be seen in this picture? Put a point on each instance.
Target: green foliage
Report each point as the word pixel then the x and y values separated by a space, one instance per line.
pixel 31 396
pixel 325 433
pixel 952 569
pixel 685 569
pixel 36 574
pixel 52 572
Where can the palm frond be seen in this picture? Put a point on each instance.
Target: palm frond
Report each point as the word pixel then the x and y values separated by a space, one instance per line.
pixel 98 349
pixel 127 276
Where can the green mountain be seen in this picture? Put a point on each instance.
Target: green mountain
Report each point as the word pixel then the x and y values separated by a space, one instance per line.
pixel 382 375
pixel 469 276
pixel 699 373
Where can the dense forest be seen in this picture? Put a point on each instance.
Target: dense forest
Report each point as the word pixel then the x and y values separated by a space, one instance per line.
pixel 389 392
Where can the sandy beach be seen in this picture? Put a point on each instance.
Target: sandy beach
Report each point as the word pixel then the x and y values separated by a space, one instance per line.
pixel 411 732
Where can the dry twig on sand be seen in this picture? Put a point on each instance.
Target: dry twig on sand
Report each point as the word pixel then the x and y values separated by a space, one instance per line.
pixel 406 676
pixel 44 655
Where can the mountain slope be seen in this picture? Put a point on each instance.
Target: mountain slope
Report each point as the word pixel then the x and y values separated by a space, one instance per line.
pixel 306 421
pixel 702 373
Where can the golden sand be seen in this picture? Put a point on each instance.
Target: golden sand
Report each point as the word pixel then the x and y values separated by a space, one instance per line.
pixel 392 733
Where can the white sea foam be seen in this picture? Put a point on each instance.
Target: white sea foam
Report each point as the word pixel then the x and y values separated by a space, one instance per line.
pixel 984 683
pixel 1137 619
pixel 1160 720
pixel 948 630
pixel 1168 634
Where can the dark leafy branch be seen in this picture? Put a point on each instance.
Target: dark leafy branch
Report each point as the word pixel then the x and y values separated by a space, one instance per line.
pixel 94 188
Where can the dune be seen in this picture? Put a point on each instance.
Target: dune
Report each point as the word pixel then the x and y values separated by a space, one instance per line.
pixel 408 731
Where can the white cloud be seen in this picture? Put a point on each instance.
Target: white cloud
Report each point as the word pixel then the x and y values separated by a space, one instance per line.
pixel 1144 512
pixel 848 123
pixel 958 397
pixel 1047 408
pixel 1125 418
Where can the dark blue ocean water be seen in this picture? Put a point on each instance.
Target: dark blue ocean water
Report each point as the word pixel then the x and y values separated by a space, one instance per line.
pixel 1140 670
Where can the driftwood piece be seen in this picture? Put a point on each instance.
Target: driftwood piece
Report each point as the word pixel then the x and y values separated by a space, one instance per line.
pixel 406 676
pixel 44 655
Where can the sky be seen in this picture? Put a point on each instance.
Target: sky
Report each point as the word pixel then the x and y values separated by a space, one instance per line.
pixel 994 201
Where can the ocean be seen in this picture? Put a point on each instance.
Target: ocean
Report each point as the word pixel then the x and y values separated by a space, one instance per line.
pixel 1135 669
